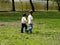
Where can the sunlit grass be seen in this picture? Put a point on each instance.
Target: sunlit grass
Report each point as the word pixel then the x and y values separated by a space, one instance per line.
pixel 46 30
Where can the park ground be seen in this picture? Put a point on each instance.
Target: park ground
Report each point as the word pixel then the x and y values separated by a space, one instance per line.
pixel 46 30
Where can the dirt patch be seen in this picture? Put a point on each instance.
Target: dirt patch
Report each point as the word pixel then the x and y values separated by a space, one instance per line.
pixel 9 24
pixel 2 24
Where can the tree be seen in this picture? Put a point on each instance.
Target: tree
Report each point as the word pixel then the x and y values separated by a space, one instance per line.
pixel 32 6
pixel 13 5
pixel 58 2
pixel 47 4
pixel 4 1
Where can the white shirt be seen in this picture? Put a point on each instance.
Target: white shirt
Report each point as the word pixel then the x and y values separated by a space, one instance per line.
pixel 23 20
pixel 30 18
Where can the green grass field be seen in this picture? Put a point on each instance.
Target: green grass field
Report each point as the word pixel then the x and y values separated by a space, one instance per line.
pixel 46 29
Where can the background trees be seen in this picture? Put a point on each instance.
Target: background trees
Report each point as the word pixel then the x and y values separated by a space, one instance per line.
pixel 29 5
pixel 58 3
pixel 32 6
pixel 33 9
pixel 4 1
pixel 13 5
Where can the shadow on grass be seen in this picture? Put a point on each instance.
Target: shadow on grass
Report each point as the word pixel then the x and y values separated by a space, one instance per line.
pixel 47 15
pixel 16 16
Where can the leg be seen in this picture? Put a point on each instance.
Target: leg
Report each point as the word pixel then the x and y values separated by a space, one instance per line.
pixel 25 28
pixel 30 28
pixel 22 28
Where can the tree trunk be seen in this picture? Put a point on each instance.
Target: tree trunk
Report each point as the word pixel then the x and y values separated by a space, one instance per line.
pixel 47 4
pixel 58 6
pixel 32 6
pixel 13 5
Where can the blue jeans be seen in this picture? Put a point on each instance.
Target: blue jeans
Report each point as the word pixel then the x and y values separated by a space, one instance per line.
pixel 30 28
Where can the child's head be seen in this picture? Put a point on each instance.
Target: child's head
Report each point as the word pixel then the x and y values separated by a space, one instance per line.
pixel 24 15
pixel 31 12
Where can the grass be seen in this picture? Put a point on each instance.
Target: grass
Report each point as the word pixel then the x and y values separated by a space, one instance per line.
pixel 46 29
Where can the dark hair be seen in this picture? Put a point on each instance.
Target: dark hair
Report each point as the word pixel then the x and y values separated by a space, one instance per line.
pixel 30 12
pixel 24 14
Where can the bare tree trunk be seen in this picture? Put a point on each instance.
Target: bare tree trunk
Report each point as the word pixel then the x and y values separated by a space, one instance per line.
pixel 47 4
pixel 13 5
pixel 32 6
pixel 58 6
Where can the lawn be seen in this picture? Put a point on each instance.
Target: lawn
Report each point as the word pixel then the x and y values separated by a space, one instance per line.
pixel 46 29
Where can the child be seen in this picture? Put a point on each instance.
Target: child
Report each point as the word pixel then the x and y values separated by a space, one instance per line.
pixel 23 23
pixel 30 23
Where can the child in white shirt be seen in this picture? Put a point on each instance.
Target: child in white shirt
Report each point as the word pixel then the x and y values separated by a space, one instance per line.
pixel 30 22
pixel 23 23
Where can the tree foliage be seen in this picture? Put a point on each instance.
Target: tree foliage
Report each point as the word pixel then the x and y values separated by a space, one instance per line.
pixel 58 3
pixel 4 1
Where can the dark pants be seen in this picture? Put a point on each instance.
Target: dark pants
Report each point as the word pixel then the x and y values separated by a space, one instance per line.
pixel 23 26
